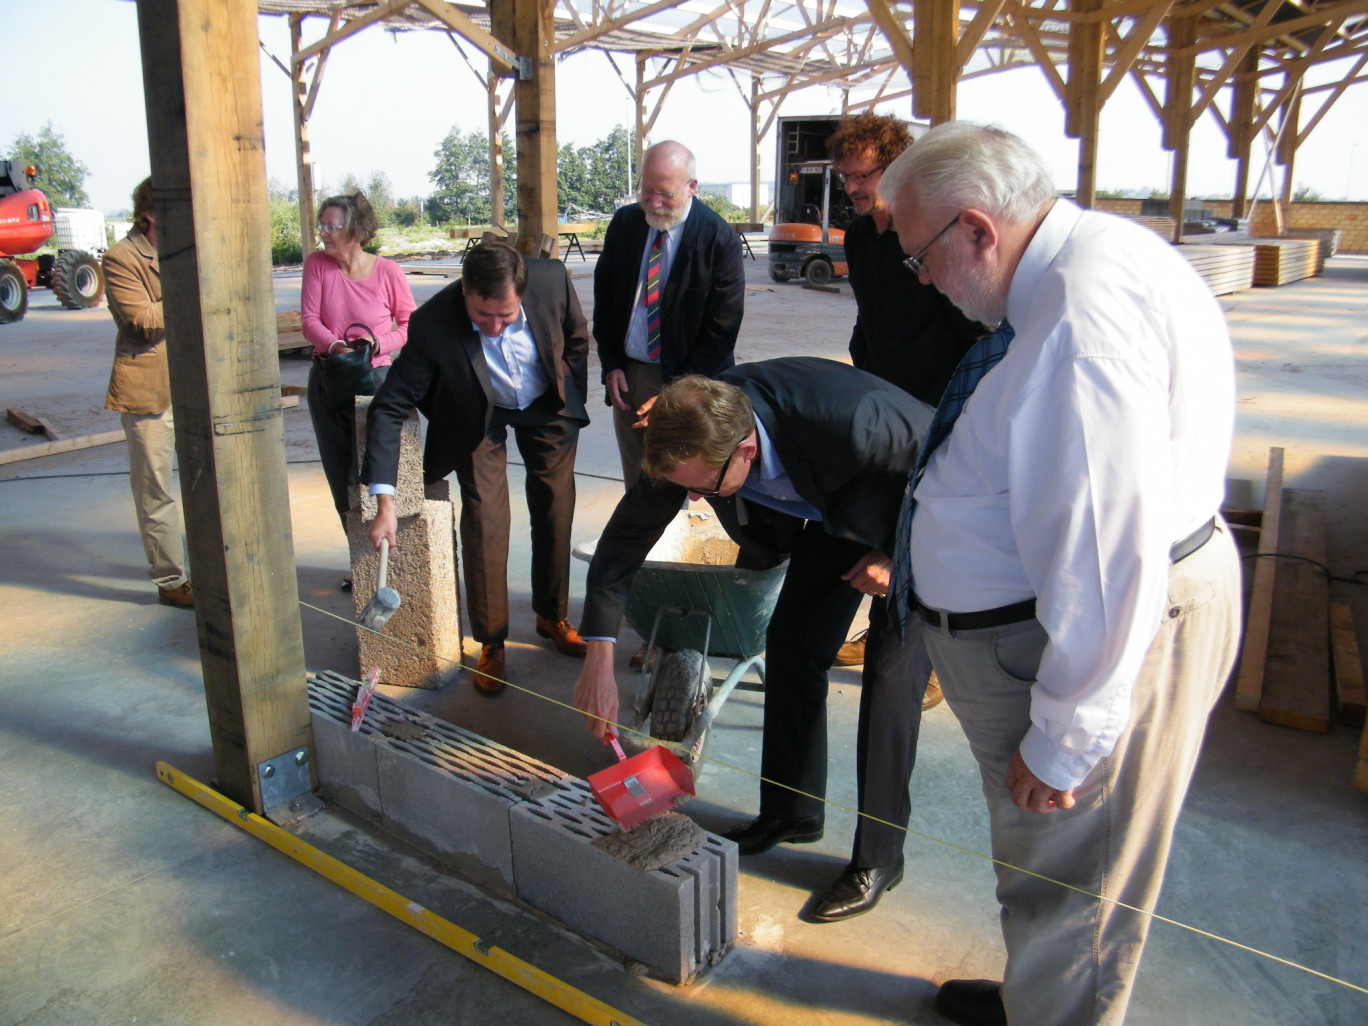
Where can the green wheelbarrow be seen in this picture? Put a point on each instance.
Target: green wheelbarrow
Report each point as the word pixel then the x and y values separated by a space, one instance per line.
pixel 690 601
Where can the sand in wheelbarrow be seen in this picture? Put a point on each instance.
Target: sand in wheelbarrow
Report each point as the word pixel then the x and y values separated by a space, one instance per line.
pixel 657 842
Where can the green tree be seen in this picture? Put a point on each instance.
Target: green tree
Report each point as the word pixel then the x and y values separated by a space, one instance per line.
pixel 1306 194
pixel 60 175
pixel 462 180
pixel 728 210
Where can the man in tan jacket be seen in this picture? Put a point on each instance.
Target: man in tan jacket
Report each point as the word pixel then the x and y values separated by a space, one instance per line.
pixel 140 389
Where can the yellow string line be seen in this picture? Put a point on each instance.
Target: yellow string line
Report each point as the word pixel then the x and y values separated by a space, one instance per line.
pixel 676 748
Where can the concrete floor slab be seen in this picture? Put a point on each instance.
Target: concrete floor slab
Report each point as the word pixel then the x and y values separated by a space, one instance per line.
pixel 120 900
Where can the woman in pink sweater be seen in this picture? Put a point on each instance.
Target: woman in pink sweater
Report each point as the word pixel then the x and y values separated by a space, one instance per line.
pixel 345 290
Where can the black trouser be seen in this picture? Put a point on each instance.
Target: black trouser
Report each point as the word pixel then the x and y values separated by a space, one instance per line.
pixel 810 623
pixel 547 442
pixel 335 431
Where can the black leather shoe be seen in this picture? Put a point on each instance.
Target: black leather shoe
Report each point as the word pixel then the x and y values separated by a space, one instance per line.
pixel 764 832
pixel 856 891
pixel 972 1002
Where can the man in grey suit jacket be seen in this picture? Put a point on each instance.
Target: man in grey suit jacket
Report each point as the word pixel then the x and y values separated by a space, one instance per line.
pixel 504 348
pixel 803 459
pixel 684 318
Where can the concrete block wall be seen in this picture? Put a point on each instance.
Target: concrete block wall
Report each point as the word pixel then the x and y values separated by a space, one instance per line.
pixel 1349 219
pixel 521 828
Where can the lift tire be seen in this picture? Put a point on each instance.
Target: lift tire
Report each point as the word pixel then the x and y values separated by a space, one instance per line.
pixel 77 280
pixel 13 292
pixel 819 272
pixel 678 696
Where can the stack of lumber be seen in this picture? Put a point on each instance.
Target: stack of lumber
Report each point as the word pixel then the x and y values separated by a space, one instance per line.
pixel 1161 226
pixel 1276 261
pixel 1328 238
pixel 290 332
pixel 1225 269
pixel 1299 664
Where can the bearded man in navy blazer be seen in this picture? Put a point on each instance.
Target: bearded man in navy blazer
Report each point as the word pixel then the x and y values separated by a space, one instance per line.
pixel 668 292
pixel 506 347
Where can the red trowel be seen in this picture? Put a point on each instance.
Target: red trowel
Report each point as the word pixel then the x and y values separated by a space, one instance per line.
pixel 642 786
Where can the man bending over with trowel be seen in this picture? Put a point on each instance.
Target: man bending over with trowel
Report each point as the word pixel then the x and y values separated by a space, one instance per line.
pixel 504 349
pixel 803 459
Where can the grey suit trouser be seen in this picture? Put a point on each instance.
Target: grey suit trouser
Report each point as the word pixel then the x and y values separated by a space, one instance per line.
pixel 644 380
pixel 1072 959
pixel 151 450
pixel 547 442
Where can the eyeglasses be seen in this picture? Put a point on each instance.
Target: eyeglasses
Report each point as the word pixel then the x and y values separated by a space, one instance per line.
pixel 660 194
pixel 914 263
pixel 858 178
pixel 327 229
pixel 714 492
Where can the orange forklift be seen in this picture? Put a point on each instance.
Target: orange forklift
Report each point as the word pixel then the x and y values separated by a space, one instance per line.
pixel 811 209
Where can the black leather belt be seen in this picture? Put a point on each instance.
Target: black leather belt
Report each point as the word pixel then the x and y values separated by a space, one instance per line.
pixel 999 617
pixel 1182 549
pixel 1018 611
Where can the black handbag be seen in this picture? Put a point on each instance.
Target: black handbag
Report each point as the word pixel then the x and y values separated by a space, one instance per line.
pixel 347 374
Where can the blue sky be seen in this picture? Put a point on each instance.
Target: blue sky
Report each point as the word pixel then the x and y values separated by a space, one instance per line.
pixel 386 103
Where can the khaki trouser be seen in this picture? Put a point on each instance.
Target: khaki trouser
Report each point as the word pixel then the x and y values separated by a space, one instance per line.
pixel 1072 959
pixel 151 449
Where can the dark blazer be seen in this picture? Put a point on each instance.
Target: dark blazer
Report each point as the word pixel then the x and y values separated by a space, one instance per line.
pixel 847 440
pixel 702 302
pixel 442 371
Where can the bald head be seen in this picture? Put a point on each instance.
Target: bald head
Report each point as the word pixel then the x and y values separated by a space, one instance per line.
pixel 668 183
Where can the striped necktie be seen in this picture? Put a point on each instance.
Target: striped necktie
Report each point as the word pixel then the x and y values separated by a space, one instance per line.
pixel 982 357
pixel 651 297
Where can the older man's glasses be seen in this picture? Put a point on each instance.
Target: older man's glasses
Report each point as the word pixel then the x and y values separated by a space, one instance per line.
pixel 660 194
pixel 914 263
pixel 710 493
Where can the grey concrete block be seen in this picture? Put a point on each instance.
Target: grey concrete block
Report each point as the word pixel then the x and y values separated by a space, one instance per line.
pixel 408 486
pixel 346 762
pixel 420 646
pixel 649 917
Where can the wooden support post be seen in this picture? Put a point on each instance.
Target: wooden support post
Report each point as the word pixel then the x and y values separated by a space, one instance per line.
pixel 303 157
pixel 1254 652
pixel 934 70
pixel 1182 33
pixel 202 89
pixel 528 28
pixel 496 157
pixel 755 149
pixel 1083 109
pixel 1242 129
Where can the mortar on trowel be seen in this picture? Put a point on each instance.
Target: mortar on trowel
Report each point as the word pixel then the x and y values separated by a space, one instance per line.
pixel 642 786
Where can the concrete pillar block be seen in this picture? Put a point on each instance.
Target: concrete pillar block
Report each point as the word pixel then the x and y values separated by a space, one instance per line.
pixel 420 646
pixel 408 486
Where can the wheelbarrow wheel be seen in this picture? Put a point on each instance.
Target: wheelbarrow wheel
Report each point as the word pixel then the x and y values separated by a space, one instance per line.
pixel 679 698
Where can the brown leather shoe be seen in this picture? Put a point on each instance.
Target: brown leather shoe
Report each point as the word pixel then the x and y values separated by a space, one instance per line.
pixel 566 638
pixel 933 696
pixel 489 671
pixel 178 598
pixel 638 659
pixel 852 652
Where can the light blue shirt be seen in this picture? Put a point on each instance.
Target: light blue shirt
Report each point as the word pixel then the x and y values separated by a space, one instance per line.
pixel 516 378
pixel 769 484
pixel 636 328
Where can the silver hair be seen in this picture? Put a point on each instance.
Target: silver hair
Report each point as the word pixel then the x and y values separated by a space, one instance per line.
pixel 958 165
pixel 673 152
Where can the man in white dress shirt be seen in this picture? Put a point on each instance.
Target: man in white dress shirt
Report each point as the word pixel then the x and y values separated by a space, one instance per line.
pixel 1080 592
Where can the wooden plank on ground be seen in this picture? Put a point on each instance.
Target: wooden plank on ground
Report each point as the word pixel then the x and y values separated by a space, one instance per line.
pixel 1349 686
pixel 23 421
pixel 1254 652
pixel 1296 689
pixel 32 452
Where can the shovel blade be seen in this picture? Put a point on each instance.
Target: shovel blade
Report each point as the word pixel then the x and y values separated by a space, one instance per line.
pixel 643 786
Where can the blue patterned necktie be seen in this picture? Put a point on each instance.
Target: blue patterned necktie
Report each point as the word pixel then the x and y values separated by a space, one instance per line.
pixel 982 357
